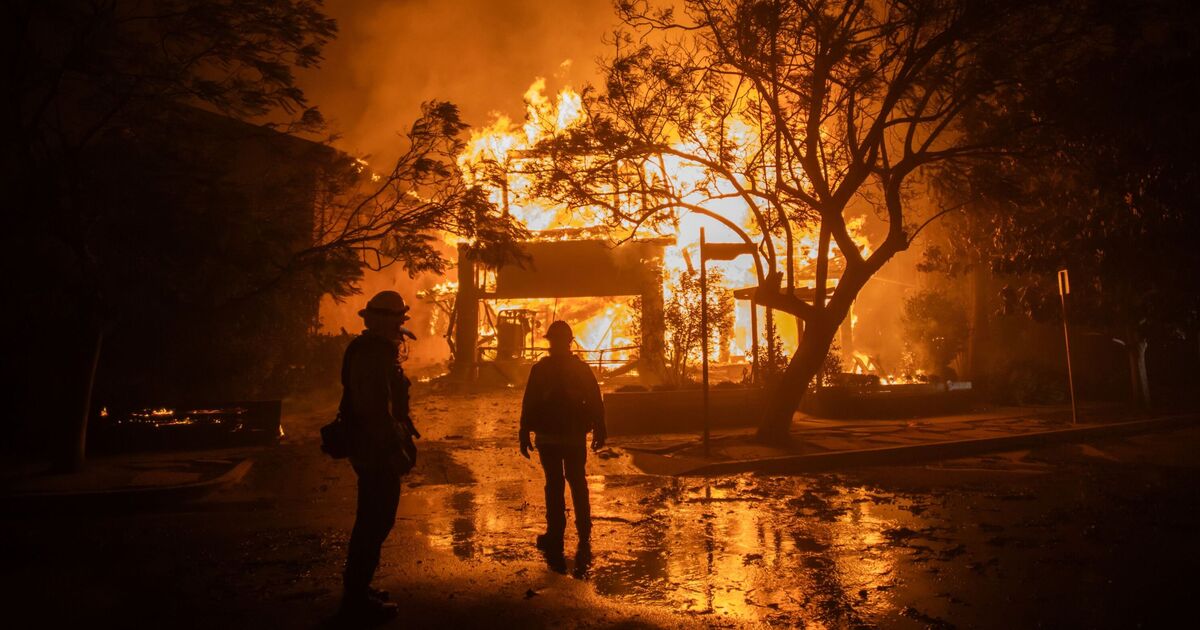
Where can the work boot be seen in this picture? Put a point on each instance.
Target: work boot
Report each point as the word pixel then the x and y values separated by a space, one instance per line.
pixel 583 560
pixel 551 547
pixel 378 594
pixel 366 611
pixel 549 542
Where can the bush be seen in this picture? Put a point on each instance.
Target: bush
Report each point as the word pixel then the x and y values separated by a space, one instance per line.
pixel 1028 382
pixel 937 328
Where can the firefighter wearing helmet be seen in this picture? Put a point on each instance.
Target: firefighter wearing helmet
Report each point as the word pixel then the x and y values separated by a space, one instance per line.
pixel 378 428
pixel 562 405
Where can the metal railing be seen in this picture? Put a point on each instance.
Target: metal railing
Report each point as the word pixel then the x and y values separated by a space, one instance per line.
pixel 599 358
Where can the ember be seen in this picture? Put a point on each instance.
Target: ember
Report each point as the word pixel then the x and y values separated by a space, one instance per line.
pixel 199 426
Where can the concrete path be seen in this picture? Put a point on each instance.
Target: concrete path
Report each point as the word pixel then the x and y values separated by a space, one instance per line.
pixel 138 479
pixel 820 445
pixel 817 445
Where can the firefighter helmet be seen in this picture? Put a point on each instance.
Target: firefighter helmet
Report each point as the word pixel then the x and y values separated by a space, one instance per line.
pixel 386 303
pixel 559 329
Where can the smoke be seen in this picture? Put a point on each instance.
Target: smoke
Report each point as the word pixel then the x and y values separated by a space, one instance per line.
pixel 479 54
pixel 482 55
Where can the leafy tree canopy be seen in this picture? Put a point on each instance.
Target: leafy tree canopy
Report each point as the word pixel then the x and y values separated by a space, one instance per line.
pixel 1106 178
pixel 797 116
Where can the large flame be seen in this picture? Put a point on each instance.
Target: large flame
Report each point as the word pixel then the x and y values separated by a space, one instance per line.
pixel 495 158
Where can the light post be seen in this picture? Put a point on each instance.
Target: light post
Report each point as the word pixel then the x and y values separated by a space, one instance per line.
pixel 704 340
pixel 1064 289
pixel 711 251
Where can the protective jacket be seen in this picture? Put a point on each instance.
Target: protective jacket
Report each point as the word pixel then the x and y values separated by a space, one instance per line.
pixel 562 401
pixel 375 404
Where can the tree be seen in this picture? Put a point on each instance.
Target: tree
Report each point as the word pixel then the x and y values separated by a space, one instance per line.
pixel 397 217
pixel 832 367
pixel 801 114
pixel 937 327
pixel 99 82
pixel 1104 183
pixel 772 357
pixel 681 313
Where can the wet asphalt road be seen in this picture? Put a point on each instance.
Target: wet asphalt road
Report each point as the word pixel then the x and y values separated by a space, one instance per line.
pixel 1091 535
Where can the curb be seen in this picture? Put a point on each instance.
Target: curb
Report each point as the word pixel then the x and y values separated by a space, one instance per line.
pixel 891 455
pixel 126 497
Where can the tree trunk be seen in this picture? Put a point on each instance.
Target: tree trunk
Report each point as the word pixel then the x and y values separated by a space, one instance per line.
pixel 785 397
pixel 466 328
pixel 1139 382
pixel 1143 378
pixel 820 328
pixel 978 342
pixel 73 450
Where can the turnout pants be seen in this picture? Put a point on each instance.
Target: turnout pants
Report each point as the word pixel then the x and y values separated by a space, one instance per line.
pixel 378 498
pixel 565 462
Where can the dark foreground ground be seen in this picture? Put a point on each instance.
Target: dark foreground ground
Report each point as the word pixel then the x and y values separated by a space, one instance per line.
pixel 1091 535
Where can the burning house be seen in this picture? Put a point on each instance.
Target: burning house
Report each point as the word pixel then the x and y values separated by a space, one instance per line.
pixel 612 281
pixel 621 291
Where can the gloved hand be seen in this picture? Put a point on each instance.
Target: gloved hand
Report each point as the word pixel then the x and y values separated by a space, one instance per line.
pixel 526 444
pixel 598 440
pixel 412 428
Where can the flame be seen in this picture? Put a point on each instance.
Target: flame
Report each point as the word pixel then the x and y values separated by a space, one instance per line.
pixel 603 327
pixel 441 296
pixel 497 158
pixel 863 363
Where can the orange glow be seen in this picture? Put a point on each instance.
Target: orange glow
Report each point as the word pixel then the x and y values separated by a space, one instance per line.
pixel 602 326
pixel 497 158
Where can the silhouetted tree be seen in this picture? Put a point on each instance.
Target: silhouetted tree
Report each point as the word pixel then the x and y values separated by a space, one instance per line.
pixel 832 367
pixel 681 314
pixel 805 113
pixel 92 82
pixel 772 357
pixel 1104 184
pixel 937 326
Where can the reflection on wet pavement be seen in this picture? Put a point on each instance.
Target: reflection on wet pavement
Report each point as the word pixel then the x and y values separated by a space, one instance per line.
pixel 747 550
pixel 462 529
pixel 743 550
pixel 1092 535
pixel 899 547
pixel 725 548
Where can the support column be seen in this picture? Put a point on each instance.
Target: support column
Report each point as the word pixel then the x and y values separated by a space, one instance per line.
pixel 848 338
pixel 754 369
pixel 651 360
pixel 466 324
